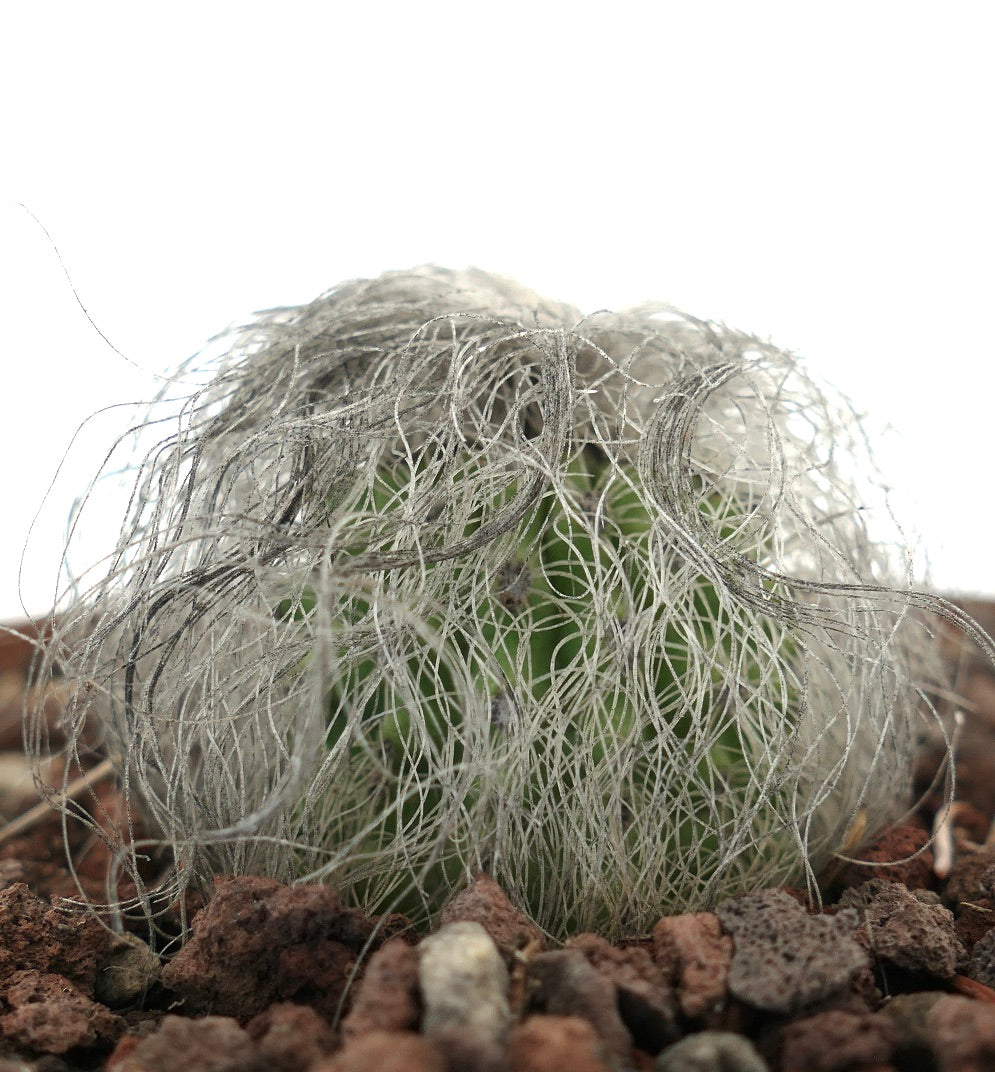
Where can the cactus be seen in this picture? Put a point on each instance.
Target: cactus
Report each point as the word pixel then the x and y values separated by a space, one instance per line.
pixel 437 577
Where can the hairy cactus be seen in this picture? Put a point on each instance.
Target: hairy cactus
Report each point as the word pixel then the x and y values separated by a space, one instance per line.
pixel 434 576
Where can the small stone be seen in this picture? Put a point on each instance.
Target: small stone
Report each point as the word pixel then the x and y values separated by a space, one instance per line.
pixel 464 983
pixel 46 1013
pixel 563 983
pixel 207 1044
pixel 386 998
pixel 126 971
pixel 962 1034
pixel 900 854
pixel 554 1043
pixel 785 959
pixel 967 882
pixel 982 963
pixel 906 930
pixel 711 1051
pixel 291 1037
pixel 910 1015
pixel 973 921
pixel 645 999
pixel 386 1051
pixel 484 902
pixel 837 1041
pixel 258 941
pixel 692 951
pixel 36 936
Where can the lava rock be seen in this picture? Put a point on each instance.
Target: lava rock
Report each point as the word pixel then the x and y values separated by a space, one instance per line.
pixel 36 936
pixel 645 1000
pixel 962 1034
pixel 484 902
pixel 899 854
pixel 906 930
pixel 258 941
pixel 552 1043
pixel 910 1015
pixel 973 920
pixel 970 878
pixel 783 958
pixel 838 1040
pixel 386 1051
pixel 291 1037
pixel 981 966
pixel 692 951
pixel 563 983
pixel 208 1044
pixel 47 1014
pixel 386 998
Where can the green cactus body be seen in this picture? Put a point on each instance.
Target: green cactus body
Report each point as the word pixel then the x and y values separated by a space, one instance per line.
pixel 527 636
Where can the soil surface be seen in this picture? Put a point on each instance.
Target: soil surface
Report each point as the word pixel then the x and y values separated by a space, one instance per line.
pixel 895 971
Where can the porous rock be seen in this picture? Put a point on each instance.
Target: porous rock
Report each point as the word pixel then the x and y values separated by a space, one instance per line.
pixel 785 959
pixel 35 935
pixel 973 920
pixel 291 1037
pixel 900 854
pixel 386 997
pixel 836 1041
pixel 910 1015
pixel 711 1051
pixel 386 1051
pixel 258 941
pixel 970 878
pixel 693 952
pixel 47 1014
pixel 484 902
pixel 645 1000
pixel 544 1043
pixel 463 983
pixel 563 983
pixel 207 1044
pixel 962 1034
pixel 911 932
pixel 981 966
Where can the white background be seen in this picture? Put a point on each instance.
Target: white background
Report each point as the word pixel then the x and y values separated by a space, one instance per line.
pixel 818 174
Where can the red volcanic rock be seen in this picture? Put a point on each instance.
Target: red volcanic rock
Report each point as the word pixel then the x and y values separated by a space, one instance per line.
pixel 45 1013
pixel 838 1041
pixel 291 1037
pixel 555 1043
pixel 37 936
pixel 563 983
pixel 386 998
pixel 484 902
pixel 386 1051
pixel 693 952
pixel 962 1034
pixel 258 942
pixel 207 1044
pixel 645 1000
pixel 897 855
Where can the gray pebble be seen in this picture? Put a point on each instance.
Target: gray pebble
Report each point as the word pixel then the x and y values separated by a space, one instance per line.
pixel 711 1051
pixel 464 983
